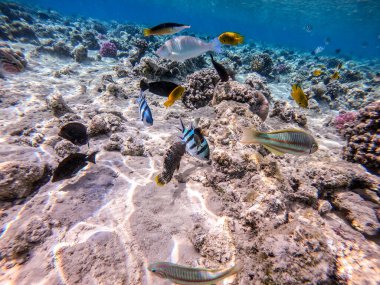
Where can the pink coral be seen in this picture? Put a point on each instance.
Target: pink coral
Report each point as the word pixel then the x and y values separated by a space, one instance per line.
pixel 108 49
pixel 344 118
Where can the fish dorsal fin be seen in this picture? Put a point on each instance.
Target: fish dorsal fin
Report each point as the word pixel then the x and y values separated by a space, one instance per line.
pixel 272 150
pixel 285 130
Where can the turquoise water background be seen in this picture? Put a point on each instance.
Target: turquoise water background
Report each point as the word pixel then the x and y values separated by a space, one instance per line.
pixel 352 26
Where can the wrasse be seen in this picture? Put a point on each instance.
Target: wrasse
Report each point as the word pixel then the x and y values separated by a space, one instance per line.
pixel 196 143
pixel 186 47
pixel 175 95
pixel 231 38
pixel 192 276
pixel 172 160
pixel 279 142
pixel 144 110
pixel 299 96
pixel 165 29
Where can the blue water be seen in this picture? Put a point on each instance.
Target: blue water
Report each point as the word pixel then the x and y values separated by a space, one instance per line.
pixel 352 26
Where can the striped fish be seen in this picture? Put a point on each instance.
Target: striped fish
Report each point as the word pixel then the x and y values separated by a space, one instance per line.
pixel 196 143
pixel 291 141
pixel 191 276
pixel 144 110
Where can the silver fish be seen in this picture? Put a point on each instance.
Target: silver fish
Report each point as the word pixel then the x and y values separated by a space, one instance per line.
pixel 185 47
pixel 291 141
pixel 191 276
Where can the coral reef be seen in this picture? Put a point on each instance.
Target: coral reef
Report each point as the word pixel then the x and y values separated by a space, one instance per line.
pixel 262 64
pixel 238 92
pixel 363 142
pixel 199 88
pixel 10 60
pixel 108 49
pixel 80 53
pixel 259 83
pixel 286 112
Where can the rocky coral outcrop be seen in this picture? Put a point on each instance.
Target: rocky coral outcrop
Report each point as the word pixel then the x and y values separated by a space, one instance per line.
pixel 80 53
pixel 258 82
pixel 65 148
pixel 11 60
pixel 57 104
pixel 103 124
pixel 287 113
pixel 18 179
pixel 262 64
pixel 199 88
pixel 363 141
pixel 235 91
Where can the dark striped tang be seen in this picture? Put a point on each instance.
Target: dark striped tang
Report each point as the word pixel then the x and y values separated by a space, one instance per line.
pixel 291 141
pixel 196 143
pixel 191 276
pixel 144 110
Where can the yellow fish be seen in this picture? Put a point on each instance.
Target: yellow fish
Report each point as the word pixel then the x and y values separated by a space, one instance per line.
pixel 299 96
pixel 231 38
pixel 317 72
pixel 175 95
pixel 335 76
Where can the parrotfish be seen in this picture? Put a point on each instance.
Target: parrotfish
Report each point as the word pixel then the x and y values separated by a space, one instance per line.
pixel 299 96
pixel 144 110
pixel 161 88
pixel 165 29
pixel 196 143
pixel 279 142
pixel 192 276
pixel 231 38
pixel 172 160
pixel 175 95
pixel 74 132
pixel 185 47
pixel 71 165
pixel 222 72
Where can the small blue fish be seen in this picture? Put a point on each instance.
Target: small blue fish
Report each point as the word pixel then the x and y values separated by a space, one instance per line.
pixel 196 143
pixel 144 110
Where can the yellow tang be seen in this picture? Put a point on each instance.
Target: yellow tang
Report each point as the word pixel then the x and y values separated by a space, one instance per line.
pixel 231 38
pixel 317 72
pixel 335 76
pixel 175 95
pixel 299 96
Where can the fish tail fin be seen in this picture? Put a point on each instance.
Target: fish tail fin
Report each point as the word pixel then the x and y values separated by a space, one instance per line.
pixel 236 268
pixel 216 45
pixel 249 136
pixel 143 85
pixel 147 32
pixel 91 157
pixel 159 180
pixel 168 103
pixel 241 39
pixel 212 58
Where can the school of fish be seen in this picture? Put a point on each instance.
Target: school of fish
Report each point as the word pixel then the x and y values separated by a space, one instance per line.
pixel 191 140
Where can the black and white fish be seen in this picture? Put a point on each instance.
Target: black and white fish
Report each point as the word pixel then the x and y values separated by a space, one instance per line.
pixel 71 165
pixel 144 110
pixel 196 143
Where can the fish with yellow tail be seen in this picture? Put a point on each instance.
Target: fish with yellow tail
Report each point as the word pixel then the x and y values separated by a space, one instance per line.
pixel 165 29
pixel 231 38
pixel 172 160
pixel 336 75
pixel 299 96
pixel 175 95
pixel 279 142
pixel 185 275
pixel 317 72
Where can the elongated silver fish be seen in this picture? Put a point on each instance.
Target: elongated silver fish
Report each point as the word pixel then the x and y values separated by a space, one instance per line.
pixel 185 47
pixel 291 141
pixel 191 276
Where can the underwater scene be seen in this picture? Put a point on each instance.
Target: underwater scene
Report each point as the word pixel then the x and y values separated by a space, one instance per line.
pixel 190 142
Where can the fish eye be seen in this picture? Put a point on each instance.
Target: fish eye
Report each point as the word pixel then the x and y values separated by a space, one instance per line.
pixel 153 270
